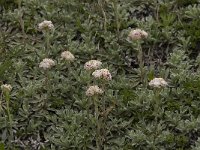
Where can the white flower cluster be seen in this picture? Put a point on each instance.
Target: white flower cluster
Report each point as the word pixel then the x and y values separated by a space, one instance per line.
pixel 46 25
pixel 102 74
pixel 94 90
pixel 47 63
pixel 92 64
pixel 158 83
pixel 6 87
pixel 67 55
pixel 137 34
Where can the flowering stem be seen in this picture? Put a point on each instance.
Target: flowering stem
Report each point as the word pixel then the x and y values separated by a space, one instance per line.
pixel 7 97
pixel 157 94
pixel 47 36
pixel 104 110
pixel 47 83
pixel 104 14
pixel 1 108
pixel 156 109
pixel 21 21
pixel 98 136
pixel 88 112
pixel 116 17
pixel 140 59
pixel 104 102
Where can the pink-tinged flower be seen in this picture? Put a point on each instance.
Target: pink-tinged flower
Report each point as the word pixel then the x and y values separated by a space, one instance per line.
pixel 102 74
pixel 137 34
pixel 92 65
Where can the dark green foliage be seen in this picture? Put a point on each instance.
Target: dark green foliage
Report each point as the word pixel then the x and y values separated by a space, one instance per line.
pixel 183 3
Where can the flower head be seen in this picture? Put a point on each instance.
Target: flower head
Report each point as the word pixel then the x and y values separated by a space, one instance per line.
pixel 47 63
pixel 46 25
pixel 158 83
pixel 92 64
pixel 94 90
pixel 67 55
pixel 137 34
pixel 102 73
pixel 6 87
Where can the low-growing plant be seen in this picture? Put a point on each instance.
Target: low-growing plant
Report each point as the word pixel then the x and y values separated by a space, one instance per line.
pixel 103 74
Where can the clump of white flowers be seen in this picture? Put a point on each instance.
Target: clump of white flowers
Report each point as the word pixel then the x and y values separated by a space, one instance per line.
pixel 158 83
pixel 103 74
pixel 47 63
pixel 92 64
pixel 137 34
pixel 46 25
pixel 6 87
pixel 94 90
pixel 67 55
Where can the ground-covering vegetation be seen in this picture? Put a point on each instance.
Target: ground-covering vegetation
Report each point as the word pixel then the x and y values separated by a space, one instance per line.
pixel 144 94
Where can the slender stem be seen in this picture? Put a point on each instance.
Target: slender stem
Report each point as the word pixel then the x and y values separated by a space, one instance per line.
pixel 22 24
pixel 156 109
pixel 157 13
pixel 21 21
pixel 47 42
pixel 103 100
pixel 140 59
pixel 7 97
pixel 98 136
pixel 1 98
pixel 103 121
pixel 87 109
pixel 104 14
pixel 87 124
pixel 47 83
pixel 117 17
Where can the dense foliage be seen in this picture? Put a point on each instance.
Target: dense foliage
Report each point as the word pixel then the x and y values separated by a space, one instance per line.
pixel 50 109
